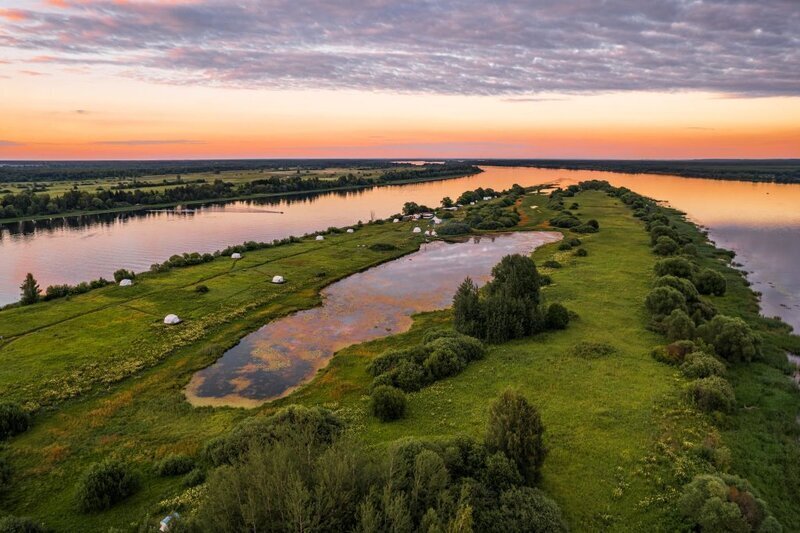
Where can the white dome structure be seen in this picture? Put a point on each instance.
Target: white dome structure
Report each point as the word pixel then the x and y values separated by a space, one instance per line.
pixel 416 230
pixel 427 233
pixel 320 238
pixel 350 230
pixel 395 221
pixel 236 255
pixel 434 234
pixel 125 282
pixel 278 279
pixel 171 320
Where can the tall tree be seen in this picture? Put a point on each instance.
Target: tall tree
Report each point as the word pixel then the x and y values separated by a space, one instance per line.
pixel 515 428
pixel 468 317
pixel 30 290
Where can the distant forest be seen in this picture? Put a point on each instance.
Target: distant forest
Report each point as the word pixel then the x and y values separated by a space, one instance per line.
pixel 763 170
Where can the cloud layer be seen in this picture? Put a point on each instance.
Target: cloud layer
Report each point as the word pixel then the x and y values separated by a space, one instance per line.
pixel 512 47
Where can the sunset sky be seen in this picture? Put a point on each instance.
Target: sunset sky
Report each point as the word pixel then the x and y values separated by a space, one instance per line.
pixel 104 79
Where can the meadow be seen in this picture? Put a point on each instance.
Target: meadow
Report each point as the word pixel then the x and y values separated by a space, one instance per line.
pixel 105 377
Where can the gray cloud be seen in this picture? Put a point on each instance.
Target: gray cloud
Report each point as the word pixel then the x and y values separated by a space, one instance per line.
pixel 147 142
pixel 8 143
pixel 504 47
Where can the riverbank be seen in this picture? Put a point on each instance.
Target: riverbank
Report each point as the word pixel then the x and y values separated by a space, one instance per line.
pixel 622 437
pixel 163 205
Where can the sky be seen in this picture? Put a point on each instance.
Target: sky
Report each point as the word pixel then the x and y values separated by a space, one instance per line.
pixel 159 79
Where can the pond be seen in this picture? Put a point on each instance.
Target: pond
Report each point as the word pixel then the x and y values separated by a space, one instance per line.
pixel 273 361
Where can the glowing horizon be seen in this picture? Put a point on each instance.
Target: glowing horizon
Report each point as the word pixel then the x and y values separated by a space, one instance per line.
pixel 97 79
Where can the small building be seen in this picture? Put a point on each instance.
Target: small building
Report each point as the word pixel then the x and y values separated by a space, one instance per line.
pixel 487 198
pixel 236 255
pixel 125 282
pixel 437 220
pixel 350 230
pixel 278 280
pixel 472 203
pixel 171 320
pixel 167 521
pixel 416 230
pixel 320 238
pixel 416 216
pixel 427 215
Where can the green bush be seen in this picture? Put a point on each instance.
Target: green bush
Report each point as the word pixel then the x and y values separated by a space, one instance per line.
pixel 678 326
pixel 557 316
pixel 104 485
pixel 674 266
pixel 454 228
pixel 393 357
pixel 388 403
pixel 683 285
pixel 725 503
pixel 710 281
pixel 121 274
pixel 409 376
pixel 586 228
pixel 713 393
pixel 581 252
pixel 659 230
pixel 689 249
pixel 665 246
pixel 663 300
pixel 174 465
pixel 500 473
pixel 523 510
pixel 515 429
pixel 443 361
pixel 702 365
pixel 382 247
pixel 5 474
pixel 551 263
pixel 13 420
pixel 194 478
pixel 592 350
pixel 201 289
pixel 565 246
pixel 732 338
pixel 17 524
pixel 565 221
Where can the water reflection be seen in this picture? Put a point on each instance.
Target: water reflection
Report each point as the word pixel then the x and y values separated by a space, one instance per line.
pixel 285 353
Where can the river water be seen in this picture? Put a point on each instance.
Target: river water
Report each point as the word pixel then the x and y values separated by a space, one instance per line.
pixel 760 221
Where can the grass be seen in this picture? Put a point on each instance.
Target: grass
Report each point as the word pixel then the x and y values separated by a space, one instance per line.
pixel 622 440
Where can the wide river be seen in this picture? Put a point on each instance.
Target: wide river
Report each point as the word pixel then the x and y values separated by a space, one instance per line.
pixel 760 221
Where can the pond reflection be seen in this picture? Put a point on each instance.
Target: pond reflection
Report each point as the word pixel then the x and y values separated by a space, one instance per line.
pixel 272 361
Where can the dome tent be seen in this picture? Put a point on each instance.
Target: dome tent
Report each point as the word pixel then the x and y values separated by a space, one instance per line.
pixel 236 255
pixel 171 320
pixel 417 230
pixel 320 238
pixel 395 221
pixel 278 279
pixel 350 230
pixel 125 282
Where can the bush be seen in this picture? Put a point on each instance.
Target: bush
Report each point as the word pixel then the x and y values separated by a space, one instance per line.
pixel 711 282
pixel 665 246
pixel 121 274
pixel 565 246
pixel 388 403
pixel 550 263
pixel 565 221
pixel 574 241
pixel 174 465
pixel 683 285
pixel 725 503
pixel 382 247
pixel 732 338
pixel 454 228
pixel 674 266
pixel 389 359
pixel 586 228
pixel 678 326
pixel 593 223
pixel 194 478
pixel 557 316
pixel 663 300
pixel 201 289
pixel 515 429
pixel 524 510
pixel 104 485
pixel 689 249
pixel 409 376
pixel 443 361
pixel 13 420
pixel 659 230
pixel 17 524
pixel 712 394
pixel 5 474
pixel 581 252
pixel 702 365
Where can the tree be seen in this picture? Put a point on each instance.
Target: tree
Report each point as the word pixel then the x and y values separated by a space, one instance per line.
pixel 713 393
pixel 665 246
pixel 664 300
pixel 524 510
pixel 557 316
pixel 518 275
pixel 20 524
pixel 683 285
pixel 674 266
pixel 678 326
pixel 105 484
pixel 711 282
pixel 447 202
pixel 388 403
pixel 467 314
pixel 30 290
pixel 702 365
pixel 732 338
pixel 515 429
pixel 13 420
pixel 725 503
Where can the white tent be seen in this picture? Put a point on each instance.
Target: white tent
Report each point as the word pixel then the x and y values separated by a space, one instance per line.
pixel 427 233
pixel 396 220
pixel 434 234
pixel 416 230
pixel 437 220
pixel 236 255
pixel 172 320
pixel 278 279
pixel 350 230
pixel 125 282
pixel 320 238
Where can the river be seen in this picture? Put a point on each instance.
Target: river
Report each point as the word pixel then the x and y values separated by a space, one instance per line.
pixel 759 221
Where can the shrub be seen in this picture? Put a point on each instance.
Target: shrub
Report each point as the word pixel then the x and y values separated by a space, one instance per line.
pixel 201 289
pixel 557 316
pixel 382 247
pixel 393 357
pixel 659 230
pixel 409 376
pixel 665 246
pixel 121 274
pixel 5 474
pixel 13 420
pixel 581 252
pixel 689 249
pixel 453 228
pixel 678 326
pixel 710 282
pixel 565 221
pixel 523 509
pixel 194 478
pixel 515 429
pixel 574 241
pixel 664 300
pixel 702 365
pixel 593 223
pixel 174 465
pixel 20 524
pixel 551 263
pixel 586 228
pixel 674 266
pixel 500 473
pixel 712 394
pixel 683 285
pixel 105 484
pixel 444 361
pixel 388 403
pixel 732 338
pixel 725 503
pixel 565 246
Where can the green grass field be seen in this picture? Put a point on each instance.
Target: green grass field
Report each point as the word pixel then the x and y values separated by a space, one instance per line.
pixel 622 439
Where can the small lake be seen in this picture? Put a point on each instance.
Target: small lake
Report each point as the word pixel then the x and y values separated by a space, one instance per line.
pixel 271 362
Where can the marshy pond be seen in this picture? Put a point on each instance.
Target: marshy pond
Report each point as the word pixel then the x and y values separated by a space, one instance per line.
pixel 284 354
